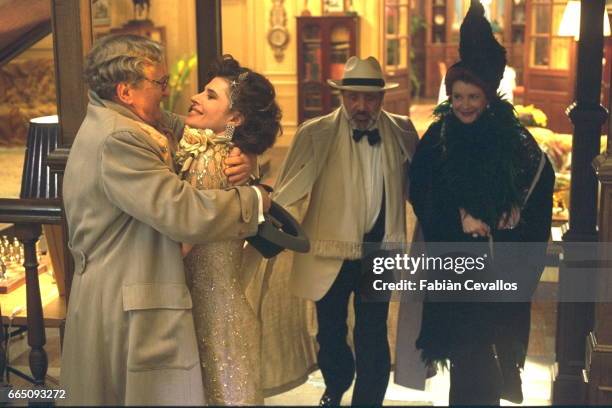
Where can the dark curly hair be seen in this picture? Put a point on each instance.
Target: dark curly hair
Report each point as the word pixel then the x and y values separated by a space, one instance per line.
pixel 252 95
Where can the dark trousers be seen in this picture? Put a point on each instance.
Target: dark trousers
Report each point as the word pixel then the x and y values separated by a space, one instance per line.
pixel 372 361
pixel 475 376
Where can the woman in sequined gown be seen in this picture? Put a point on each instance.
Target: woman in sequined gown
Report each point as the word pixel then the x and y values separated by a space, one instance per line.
pixel 236 108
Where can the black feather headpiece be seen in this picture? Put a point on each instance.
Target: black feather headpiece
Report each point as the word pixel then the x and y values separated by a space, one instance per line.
pixel 479 52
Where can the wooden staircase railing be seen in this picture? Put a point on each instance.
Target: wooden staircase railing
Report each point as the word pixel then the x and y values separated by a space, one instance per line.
pixel 29 215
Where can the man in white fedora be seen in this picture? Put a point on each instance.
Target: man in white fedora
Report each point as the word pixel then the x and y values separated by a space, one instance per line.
pixel 344 178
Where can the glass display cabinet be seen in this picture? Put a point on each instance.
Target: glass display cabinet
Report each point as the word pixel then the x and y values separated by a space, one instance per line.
pixel 323 46
pixel 396 57
pixel 549 62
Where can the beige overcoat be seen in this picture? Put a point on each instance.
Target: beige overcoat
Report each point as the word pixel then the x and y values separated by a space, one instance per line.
pixel 278 287
pixel 299 186
pixel 129 334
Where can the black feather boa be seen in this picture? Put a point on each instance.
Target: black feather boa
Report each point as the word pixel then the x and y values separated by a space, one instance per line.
pixel 479 161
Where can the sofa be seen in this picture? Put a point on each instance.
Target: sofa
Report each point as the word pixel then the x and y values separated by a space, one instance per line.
pixel 27 90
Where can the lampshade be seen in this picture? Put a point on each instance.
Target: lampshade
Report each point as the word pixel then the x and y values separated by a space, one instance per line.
pixel 570 22
pixel 37 181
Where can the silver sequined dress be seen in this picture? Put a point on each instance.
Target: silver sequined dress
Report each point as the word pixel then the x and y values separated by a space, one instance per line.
pixel 226 326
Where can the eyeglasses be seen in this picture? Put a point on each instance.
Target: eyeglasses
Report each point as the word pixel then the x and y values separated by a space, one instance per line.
pixel 163 82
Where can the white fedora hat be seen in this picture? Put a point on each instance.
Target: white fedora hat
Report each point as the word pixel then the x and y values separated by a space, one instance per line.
pixel 362 75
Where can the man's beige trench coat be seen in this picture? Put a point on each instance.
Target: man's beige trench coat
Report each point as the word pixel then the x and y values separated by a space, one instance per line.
pixel 288 322
pixel 130 336
pixel 312 277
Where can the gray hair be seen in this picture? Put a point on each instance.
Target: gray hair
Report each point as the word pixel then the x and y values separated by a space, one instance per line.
pixel 119 58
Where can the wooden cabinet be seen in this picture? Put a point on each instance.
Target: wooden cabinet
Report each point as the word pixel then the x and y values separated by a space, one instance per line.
pixel 517 27
pixel 443 19
pixel 323 46
pixel 143 28
pixel 438 21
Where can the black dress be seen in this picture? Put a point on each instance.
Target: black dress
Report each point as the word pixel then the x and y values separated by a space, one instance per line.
pixel 486 167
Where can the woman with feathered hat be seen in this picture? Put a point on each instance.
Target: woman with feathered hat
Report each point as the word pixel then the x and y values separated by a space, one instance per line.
pixel 478 177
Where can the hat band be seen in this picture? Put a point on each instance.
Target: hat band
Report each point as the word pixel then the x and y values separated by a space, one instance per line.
pixel 363 82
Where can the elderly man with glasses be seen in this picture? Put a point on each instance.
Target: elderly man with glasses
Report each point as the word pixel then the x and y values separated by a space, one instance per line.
pixel 129 337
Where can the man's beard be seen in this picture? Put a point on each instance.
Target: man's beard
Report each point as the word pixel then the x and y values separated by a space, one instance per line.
pixel 365 121
pixel 357 124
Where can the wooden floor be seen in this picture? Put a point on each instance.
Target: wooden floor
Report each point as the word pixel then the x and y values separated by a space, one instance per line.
pixel 537 376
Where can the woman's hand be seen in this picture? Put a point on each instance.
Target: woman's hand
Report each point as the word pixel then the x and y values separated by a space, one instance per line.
pixel 239 166
pixel 509 221
pixel 473 226
pixel 185 248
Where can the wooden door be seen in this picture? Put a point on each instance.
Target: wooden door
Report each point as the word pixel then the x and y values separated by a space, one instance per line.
pixel 549 64
pixel 396 55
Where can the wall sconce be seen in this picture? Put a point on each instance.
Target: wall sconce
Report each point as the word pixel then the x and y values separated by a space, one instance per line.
pixel 570 22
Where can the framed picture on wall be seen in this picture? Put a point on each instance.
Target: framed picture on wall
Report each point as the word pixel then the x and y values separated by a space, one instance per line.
pixel 100 13
pixel 334 6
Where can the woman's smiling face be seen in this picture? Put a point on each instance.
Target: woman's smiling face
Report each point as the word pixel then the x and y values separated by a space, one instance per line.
pixel 468 101
pixel 210 108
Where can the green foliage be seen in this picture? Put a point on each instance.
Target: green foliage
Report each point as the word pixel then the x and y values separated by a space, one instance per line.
pixel 417 23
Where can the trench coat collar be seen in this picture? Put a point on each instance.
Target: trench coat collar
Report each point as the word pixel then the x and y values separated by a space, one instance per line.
pixel 162 127
pixel 323 138
pixel 96 100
